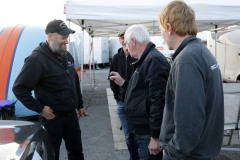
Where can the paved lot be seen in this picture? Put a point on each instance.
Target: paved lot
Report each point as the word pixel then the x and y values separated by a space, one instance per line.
pixel 97 137
pixel 97 132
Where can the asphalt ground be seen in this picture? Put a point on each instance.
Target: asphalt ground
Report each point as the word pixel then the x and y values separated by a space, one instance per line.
pixel 97 133
pixel 97 136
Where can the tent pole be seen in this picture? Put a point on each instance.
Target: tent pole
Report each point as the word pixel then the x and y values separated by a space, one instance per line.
pixel 82 57
pixel 69 35
pixel 216 26
pixel 153 28
pixel 90 63
pixel 93 61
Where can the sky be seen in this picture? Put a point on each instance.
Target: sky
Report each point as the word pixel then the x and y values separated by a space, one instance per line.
pixel 31 12
pixel 40 12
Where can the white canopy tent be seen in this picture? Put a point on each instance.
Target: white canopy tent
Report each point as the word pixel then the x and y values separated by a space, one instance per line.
pixel 104 18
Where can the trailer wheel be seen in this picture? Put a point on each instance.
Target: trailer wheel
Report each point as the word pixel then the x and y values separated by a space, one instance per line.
pixel 238 79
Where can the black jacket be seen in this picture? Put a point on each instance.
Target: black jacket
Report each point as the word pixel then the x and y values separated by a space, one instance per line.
pixel 55 82
pixel 145 96
pixel 121 64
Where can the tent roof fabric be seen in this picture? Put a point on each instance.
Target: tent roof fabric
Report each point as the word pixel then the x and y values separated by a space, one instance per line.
pixel 105 19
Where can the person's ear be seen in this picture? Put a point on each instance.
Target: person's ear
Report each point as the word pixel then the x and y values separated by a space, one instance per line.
pixel 134 41
pixel 169 29
pixel 50 35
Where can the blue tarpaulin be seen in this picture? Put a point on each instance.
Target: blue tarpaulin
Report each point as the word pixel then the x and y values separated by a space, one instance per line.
pixel 7 110
pixel 4 103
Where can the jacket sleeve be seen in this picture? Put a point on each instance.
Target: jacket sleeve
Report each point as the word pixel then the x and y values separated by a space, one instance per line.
pixel 114 87
pixel 27 79
pixel 156 80
pixel 189 113
pixel 125 84
pixel 79 94
pixel 80 101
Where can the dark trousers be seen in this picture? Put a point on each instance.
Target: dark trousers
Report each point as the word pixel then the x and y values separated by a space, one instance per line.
pixel 66 126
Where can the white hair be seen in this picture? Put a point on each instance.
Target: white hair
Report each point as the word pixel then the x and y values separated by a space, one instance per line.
pixel 137 31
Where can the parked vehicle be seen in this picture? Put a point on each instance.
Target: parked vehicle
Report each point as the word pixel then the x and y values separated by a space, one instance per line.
pixel 24 140
pixel 227 53
pixel 18 42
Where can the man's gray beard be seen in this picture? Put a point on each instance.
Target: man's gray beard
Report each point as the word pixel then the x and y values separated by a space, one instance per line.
pixel 54 46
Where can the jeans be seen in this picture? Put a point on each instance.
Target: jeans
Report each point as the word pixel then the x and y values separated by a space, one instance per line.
pixel 144 154
pixel 129 137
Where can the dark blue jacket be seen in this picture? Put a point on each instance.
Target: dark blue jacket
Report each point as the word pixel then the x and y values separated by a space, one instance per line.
pixel 145 96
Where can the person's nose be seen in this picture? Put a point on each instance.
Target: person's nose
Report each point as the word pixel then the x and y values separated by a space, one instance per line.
pixel 126 46
pixel 66 41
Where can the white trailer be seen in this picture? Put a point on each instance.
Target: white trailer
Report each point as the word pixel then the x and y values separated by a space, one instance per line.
pixel 161 46
pixel 227 53
pixel 101 50
pixel 114 45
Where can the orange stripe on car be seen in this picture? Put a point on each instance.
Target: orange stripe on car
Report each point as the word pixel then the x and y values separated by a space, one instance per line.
pixel 9 38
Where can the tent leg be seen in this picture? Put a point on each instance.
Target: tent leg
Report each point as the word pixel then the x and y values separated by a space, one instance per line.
pixel 82 60
pixel 216 26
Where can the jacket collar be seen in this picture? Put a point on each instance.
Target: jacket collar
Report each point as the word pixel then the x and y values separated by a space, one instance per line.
pixel 182 45
pixel 120 52
pixel 45 50
pixel 144 55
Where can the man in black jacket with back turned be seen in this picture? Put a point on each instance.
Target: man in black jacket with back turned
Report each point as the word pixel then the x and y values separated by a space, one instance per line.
pixel 50 72
pixel 193 120
pixel 121 65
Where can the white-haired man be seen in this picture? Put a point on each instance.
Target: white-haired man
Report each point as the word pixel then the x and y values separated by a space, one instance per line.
pixel 145 95
pixel 121 64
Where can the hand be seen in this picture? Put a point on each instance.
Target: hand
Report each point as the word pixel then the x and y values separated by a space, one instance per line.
pixel 154 147
pixel 47 113
pixel 82 112
pixel 115 76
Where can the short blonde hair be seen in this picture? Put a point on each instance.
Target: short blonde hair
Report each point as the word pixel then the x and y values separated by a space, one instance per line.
pixel 180 16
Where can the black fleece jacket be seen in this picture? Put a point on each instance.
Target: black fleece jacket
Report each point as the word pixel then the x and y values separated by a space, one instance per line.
pixel 54 81
pixel 145 95
pixel 121 64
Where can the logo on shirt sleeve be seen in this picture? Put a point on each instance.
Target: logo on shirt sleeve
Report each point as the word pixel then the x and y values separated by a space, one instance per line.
pixel 214 66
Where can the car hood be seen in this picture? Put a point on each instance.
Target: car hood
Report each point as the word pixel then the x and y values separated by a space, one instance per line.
pixel 15 137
